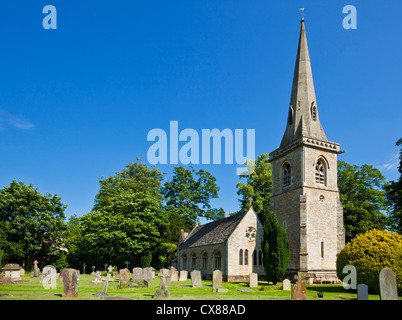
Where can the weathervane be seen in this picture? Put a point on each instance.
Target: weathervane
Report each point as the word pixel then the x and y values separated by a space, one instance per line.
pixel 302 13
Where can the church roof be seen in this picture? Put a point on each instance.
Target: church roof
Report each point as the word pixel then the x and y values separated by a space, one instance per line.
pixel 214 232
pixel 303 120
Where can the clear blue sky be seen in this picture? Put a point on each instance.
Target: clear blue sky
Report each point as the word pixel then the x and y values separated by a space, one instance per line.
pixel 78 102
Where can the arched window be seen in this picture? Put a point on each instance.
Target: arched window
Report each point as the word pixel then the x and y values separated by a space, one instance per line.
pixel 193 260
pixel 241 257
pixel 320 171
pixel 246 257
pixel 287 175
pixel 290 116
pixel 184 261
pixel 204 257
pixel 259 257
pixel 218 260
pixel 254 258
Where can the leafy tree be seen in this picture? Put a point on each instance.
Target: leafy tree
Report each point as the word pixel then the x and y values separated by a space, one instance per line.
pixel 188 194
pixel 275 247
pixel 32 224
pixel 127 220
pixel 258 185
pixel 363 198
pixel 146 260
pixel 394 197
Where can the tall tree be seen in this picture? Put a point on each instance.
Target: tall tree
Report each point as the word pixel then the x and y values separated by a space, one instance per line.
pixel 363 198
pixel 258 185
pixel 189 193
pixel 275 247
pixel 394 196
pixel 32 224
pixel 127 220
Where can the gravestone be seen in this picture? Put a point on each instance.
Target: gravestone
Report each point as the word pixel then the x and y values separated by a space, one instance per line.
pixel 36 271
pixel 162 294
pixel 165 281
pixel 138 275
pixel 217 278
pixel 98 278
pixel 196 279
pixel 174 275
pixel 362 291
pixel 183 275
pixel 286 285
pixel 388 287
pixel 103 294
pixel 48 278
pixel 148 274
pixel 253 280
pixel 10 273
pixel 123 276
pixel 70 281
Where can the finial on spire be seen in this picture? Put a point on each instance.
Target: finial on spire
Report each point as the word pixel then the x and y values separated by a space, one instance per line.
pixel 302 13
pixel 250 201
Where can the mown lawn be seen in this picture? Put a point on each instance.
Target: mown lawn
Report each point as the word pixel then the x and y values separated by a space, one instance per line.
pixel 33 290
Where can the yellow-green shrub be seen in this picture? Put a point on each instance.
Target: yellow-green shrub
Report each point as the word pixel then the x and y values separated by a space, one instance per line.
pixel 369 253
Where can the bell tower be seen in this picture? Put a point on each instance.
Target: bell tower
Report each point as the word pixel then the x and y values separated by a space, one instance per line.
pixel 305 194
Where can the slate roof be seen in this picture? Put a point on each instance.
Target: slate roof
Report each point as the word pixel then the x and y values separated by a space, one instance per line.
pixel 214 232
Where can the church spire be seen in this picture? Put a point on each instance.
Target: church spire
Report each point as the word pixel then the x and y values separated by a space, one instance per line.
pixel 303 118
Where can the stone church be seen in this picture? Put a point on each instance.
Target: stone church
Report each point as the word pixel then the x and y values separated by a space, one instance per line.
pixel 305 198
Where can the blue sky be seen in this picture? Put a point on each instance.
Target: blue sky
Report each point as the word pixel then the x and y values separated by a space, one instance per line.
pixel 78 102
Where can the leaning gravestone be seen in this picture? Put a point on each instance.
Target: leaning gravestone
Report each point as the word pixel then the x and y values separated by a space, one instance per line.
pixel 196 279
pixel 388 287
pixel 183 275
pixel 286 285
pixel 217 278
pixel 253 280
pixel 70 280
pixel 362 291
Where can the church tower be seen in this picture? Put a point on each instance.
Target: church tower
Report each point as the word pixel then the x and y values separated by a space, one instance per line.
pixel 305 195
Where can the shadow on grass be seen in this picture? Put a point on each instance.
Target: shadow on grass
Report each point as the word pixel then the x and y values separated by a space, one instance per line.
pixel 329 289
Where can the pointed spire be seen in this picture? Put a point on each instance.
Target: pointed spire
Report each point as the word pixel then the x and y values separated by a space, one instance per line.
pixel 303 118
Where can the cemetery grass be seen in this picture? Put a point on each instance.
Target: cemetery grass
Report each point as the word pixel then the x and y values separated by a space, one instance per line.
pixel 33 290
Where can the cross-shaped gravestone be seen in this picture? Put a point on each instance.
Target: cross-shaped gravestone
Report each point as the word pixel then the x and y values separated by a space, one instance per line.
pixel 127 263
pixel 83 267
pixel 93 269
pixel 300 276
pixel 105 266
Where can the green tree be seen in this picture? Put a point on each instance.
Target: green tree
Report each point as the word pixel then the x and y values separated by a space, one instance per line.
pixel 258 185
pixel 188 194
pixel 394 196
pixel 127 220
pixel 275 247
pixel 32 224
pixel 363 198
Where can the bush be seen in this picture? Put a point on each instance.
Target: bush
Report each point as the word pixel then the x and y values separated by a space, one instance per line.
pixel 369 253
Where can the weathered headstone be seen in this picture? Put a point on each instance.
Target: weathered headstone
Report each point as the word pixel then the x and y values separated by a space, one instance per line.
pixel 36 271
pixel 98 278
pixel 299 290
pixel 253 280
pixel 183 275
pixel 286 285
pixel 148 274
pixel 138 274
pixel 174 275
pixel 217 278
pixel 123 276
pixel 362 291
pixel 11 272
pixel 103 294
pixel 196 279
pixel 48 278
pixel 388 286
pixel 70 280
